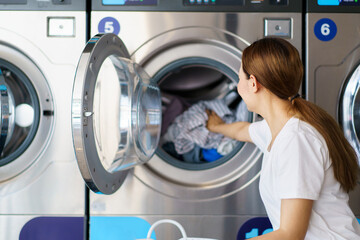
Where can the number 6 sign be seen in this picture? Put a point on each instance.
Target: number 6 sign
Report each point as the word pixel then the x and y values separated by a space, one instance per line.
pixel 325 29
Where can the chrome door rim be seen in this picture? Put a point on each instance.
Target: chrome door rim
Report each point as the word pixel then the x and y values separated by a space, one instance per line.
pixel 347 105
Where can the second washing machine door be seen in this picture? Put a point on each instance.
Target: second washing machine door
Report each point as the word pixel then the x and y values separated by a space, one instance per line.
pixel 116 114
pixel 350 110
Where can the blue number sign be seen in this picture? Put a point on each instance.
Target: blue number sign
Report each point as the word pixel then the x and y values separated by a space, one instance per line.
pixel 109 25
pixel 325 29
pixel 254 227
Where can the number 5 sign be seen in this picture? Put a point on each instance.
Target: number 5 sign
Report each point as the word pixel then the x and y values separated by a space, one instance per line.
pixel 325 29
pixel 109 25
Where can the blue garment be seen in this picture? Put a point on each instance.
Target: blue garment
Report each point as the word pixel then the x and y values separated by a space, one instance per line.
pixel 210 155
pixel 194 156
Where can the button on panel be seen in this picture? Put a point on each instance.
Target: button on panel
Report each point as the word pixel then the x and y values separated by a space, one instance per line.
pixel 61 27
pixel 61 2
pixel 277 28
pixel 279 2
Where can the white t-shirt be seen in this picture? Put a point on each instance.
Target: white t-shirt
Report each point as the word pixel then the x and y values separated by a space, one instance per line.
pixel 298 166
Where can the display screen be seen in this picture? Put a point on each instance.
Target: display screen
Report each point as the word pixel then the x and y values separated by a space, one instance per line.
pixel 215 2
pixel 338 2
pixel 130 2
pixel 13 1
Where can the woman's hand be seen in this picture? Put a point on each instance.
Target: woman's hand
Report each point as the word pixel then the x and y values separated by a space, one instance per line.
pixel 213 120
pixel 236 130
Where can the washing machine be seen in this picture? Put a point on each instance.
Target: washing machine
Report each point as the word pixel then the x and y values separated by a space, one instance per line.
pixel 333 67
pixel 41 189
pixel 187 49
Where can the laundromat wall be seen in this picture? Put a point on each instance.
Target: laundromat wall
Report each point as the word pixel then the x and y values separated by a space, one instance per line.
pixel 191 50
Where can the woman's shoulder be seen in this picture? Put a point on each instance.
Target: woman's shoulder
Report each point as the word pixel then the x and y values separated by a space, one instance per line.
pixel 297 127
pixel 303 138
pixel 303 133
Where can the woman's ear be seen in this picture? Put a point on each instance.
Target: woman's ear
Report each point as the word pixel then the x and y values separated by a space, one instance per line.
pixel 254 84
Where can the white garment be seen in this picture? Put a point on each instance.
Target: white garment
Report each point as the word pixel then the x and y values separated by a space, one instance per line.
pixel 227 144
pixel 298 166
pixel 189 129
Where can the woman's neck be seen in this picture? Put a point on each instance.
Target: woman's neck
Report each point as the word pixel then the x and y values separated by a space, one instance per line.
pixel 276 113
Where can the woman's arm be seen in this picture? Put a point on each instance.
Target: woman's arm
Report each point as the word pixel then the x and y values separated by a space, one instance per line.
pixel 294 220
pixel 236 130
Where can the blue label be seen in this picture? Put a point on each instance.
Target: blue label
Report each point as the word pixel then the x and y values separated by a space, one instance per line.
pixel 54 228
pixel 338 2
pixel 114 228
pixel 328 2
pixel 325 29
pixel 109 25
pixel 113 2
pixel 130 2
pixel 254 227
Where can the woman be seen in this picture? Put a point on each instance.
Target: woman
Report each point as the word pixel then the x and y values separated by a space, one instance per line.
pixel 308 166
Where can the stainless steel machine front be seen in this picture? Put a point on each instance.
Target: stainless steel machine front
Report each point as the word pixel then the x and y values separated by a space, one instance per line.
pixel 41 189
pixel 332 69
pixel 184 49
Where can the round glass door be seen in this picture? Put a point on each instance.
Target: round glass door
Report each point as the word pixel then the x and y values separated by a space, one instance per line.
pixel 350 110
pixel 4 111
pixel 116 114
pixel 20 112
pixel 27 112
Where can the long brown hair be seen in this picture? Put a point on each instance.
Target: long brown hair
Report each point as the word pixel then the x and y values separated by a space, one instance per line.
pixel 277 66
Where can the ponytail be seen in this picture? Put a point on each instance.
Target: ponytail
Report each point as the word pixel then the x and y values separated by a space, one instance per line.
pixel 342 155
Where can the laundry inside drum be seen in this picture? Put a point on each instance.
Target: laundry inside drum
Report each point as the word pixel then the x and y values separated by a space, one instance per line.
pixel 24 112
pixel 187 91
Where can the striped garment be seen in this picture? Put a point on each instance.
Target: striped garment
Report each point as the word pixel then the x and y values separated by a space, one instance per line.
pixel 189 129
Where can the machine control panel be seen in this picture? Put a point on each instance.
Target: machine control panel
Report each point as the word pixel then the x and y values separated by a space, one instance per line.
pixel 43 5
pixel 233 2
pixel 13 1
pixel 130 2
pixel 214 2
pixel 338 2
pixel 199 5
pixel 333 6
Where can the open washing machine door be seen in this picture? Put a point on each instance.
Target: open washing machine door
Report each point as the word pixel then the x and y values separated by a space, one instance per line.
pixel 116 114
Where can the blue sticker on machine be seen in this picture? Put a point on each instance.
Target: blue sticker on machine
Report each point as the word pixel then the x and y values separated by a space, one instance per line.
pixel 109 25
pixel 338 2
pixel 254 227
pixel 328 2
pixel 114 228
pixel 325 29
pixel 130 2
pixel 54 228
